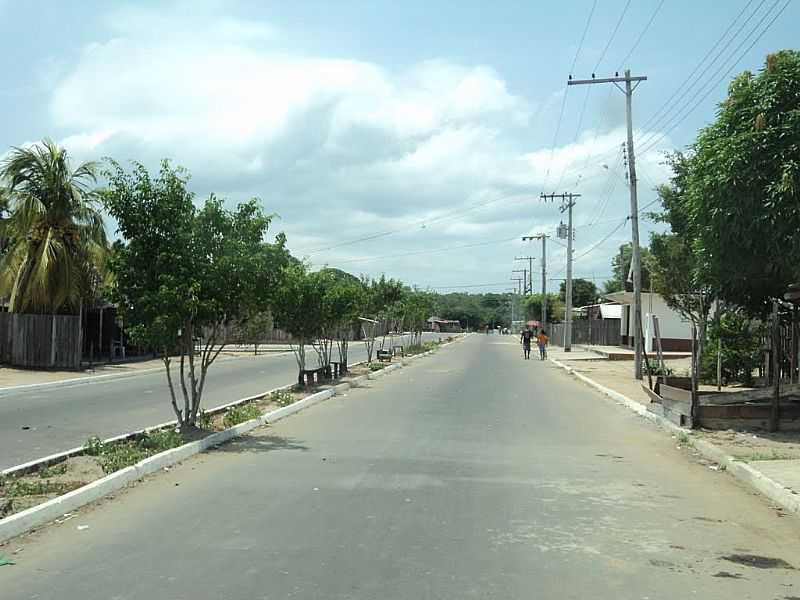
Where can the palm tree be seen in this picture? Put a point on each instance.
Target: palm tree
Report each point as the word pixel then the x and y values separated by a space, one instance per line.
pixel 56 239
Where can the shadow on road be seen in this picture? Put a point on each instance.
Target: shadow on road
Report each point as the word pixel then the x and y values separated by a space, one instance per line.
pixel 261 443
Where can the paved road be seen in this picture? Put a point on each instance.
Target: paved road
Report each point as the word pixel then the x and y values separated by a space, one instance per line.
pixel 472 474
pixel 62 418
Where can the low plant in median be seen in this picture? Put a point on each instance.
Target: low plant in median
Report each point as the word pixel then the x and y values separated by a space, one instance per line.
pixel 282 397
pixel 239 414
pixel 114 456
pixel 376 366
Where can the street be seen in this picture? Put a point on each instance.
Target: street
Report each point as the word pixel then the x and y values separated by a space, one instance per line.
pixel 471 474
pixel 36 423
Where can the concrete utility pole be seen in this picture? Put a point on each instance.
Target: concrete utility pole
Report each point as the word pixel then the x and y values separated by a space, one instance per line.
pixel 637 256
pixel 524 279
pixel 529 286
pixel 567 202
pixel 543 237
pixel 519 284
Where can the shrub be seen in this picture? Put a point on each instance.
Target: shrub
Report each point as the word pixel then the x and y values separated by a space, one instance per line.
pixel 124 453
pixel 240 414
pixel 57 469
pixel 94 446
pixel 282 397
pixel 376 366
pixel 741 349
pixel 204 420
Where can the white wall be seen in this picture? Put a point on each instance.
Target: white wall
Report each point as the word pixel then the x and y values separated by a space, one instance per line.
pixel 671 324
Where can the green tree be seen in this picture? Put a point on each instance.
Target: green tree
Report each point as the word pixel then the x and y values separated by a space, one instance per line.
pixel 54 236
pixel 533 308
pixel 620 267
pixel 583 292
pixel 299 309
pixel 676 269
pixel 743 186
pixel 342 301
pixel 183 274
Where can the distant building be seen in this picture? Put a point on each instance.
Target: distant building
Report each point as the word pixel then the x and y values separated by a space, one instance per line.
pixel 444 325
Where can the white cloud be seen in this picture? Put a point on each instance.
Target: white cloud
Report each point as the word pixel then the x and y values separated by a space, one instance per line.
pixel 340 148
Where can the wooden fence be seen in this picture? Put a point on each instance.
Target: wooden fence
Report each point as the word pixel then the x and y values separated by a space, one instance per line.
pixel 40 341
pixel 594 332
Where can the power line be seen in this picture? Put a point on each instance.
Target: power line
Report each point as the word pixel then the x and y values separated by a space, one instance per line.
pixel 653 142
pixel 641 35
pixel 427 251
pixel 678 113
pixel 613 35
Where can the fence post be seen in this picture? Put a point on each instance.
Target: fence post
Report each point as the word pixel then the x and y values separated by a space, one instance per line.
pixel 774 414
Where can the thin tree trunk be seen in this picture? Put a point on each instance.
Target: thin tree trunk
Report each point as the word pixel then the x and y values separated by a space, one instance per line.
pixel 174 400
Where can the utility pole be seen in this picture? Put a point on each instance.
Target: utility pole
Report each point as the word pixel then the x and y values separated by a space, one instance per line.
pixel 637 256
pixel 543 237
pixel 524 279
pixel 519 284
pixel 529 286
pixel 567 202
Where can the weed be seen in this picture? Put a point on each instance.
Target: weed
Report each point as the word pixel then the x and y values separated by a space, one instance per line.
pixel 772 455
pixel 15 488
pixel 158 441
pixel 204 420
pixel 282 397
pixel 376 366
pixel 240 414
pixel 94 446
pixel 58 469
pixel 683 438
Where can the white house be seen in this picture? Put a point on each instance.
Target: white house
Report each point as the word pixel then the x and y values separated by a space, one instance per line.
pixel 676 331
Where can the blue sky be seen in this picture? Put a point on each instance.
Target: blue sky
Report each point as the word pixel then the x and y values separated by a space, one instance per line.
pixel 434 121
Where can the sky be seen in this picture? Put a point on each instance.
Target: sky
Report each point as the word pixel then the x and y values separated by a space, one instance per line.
pixel 411 139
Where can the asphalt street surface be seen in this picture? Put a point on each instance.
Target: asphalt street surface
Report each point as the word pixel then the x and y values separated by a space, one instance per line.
pixel 40 422
pixel 470 474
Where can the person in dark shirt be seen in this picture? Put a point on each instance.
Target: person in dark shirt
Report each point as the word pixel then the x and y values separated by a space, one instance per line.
pixel 526 338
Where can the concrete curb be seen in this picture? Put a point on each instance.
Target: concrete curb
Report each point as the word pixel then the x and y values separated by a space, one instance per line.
pixel 54 509
pixel 779 494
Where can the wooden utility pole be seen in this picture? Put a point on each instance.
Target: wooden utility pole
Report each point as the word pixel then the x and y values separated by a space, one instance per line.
pixel 775 409
pixel 567 202
pixel 543 237
pixel 529 285
pixel 634 216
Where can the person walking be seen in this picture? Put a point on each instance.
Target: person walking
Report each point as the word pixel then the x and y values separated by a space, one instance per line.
pixel 541 341
pixel 525 339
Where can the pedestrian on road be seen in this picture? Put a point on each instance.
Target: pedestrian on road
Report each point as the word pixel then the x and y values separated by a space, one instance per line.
pixel 541 341
pixel 525 339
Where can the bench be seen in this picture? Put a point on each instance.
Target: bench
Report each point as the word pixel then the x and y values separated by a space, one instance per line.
pixel 384 355
pixel 398 350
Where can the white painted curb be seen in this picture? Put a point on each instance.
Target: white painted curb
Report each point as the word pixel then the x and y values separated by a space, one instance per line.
pixel 51 510
pixel 781 495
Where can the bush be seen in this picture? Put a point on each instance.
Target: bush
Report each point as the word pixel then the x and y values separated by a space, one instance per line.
pixel 124 453
pixel 376 366
pixel 741 349
pixel 658 370
pixel 240 414
pixel 282 397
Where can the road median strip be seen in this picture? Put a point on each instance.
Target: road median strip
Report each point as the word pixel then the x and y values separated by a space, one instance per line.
pixel 56 508
pixel 779 494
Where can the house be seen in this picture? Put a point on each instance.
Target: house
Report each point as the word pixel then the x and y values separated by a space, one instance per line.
pixel 604 311
pixel 444 325
pixel 675 329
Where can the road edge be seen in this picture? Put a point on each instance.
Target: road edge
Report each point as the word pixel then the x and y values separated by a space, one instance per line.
pixel 48 512
pixel 745 473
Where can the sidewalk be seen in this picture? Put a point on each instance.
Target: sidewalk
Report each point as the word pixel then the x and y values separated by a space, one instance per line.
pixel 772 460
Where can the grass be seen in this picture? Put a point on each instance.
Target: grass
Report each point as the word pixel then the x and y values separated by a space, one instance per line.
pixel 53 471
pixel 772 455
pixel 240 414
pixel 420 348
pixel 376 366
pixel 282 397
pixel 124 453
pixel 14 488
pixel 683 438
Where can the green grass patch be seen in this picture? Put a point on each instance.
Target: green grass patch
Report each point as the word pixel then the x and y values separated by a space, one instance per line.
pixel 53 471
pixel 14 488
pixel 124 453
pixel 240 414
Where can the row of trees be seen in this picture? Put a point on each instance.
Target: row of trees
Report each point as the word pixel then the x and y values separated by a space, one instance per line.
pixel 182 273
